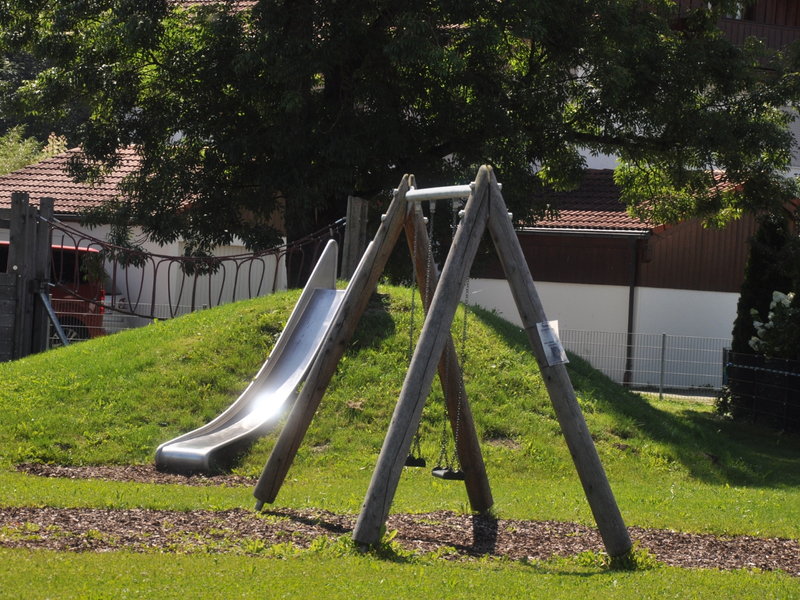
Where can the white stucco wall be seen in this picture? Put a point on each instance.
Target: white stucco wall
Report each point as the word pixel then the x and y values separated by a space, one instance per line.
pixel 574 306
pixel 593 323
pixel 684 312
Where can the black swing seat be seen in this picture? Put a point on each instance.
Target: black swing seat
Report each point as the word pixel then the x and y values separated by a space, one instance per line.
pixel 415 461
pixel 448 473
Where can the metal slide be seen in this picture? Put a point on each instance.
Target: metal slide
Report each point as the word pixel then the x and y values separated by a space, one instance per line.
pixel 259 406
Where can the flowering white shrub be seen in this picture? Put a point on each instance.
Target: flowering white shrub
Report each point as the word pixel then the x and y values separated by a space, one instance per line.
pixel 778 336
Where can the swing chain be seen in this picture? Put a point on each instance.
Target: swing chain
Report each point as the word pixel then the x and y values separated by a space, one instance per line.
pixel 430 256
pixel 413 288
pixel 454 464
pixel 456 460
pixel 415 458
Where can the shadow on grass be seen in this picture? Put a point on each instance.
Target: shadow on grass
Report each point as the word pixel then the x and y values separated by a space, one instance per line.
pixel 713 449
pixel 375 325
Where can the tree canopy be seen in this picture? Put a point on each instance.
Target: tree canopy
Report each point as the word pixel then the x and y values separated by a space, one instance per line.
pixel 240 110
pixel 17 151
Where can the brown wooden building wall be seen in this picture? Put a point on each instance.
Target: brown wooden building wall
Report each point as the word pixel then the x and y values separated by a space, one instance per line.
pixel 774 12
pixel 686 257
pixel 774 36
pixel 691 257
pixel 574 259
pixel 775 22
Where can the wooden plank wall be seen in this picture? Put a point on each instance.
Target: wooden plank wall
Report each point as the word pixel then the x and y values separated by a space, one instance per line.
pixel 685 257
pixel 774 36
pixel 783 13
pixel 774 12
pixel 689 257
pixel 8 304
pixel 571 259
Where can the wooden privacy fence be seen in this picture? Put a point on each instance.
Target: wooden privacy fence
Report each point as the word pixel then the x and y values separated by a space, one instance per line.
pixel 23 320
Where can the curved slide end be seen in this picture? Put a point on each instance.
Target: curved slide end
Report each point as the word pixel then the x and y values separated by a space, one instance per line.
pixel 261 404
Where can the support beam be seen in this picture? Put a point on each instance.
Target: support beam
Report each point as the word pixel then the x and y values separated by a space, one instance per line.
pixel 355 301
pixel 423 367
pixel 562 395
pixel 355 235
pixel 20 256
pixel 42 274
pixel 468 448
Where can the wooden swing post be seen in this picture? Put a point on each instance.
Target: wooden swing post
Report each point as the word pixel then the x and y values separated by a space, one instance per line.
pixel 556 379
pixel 355 301
pixel 423 367
pixel 468 446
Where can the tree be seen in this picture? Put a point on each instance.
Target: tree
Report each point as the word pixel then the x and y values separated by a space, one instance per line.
pixel 779 334
pixel 17 151
pixel 295 104
pixel 773 265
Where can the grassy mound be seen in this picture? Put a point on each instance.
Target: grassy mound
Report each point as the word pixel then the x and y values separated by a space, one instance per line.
pixel 114 400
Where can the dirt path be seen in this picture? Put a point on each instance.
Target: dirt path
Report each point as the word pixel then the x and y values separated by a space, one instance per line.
pixel 242 530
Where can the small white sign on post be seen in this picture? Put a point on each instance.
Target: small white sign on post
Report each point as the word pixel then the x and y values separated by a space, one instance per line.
pixel 554 351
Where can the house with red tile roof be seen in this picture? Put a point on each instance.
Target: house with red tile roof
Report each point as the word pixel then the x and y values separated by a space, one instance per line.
pixel 49 179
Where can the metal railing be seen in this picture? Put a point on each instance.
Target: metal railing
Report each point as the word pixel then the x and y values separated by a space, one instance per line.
pixel 660 363
pixel 763 389
pixel 137 281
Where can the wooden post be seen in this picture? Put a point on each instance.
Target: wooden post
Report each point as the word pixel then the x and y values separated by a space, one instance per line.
pixel 41 274
pixel 355 235
pixel 19 255
pixel 469 449
pixel 562 395
pixel 353 304
pixel 423 366
pixel 8 300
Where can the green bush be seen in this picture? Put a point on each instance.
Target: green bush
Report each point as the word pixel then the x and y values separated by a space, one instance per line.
pixel 772 265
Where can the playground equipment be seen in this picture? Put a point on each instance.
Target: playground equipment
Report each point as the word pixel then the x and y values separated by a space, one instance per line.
pixel 435 348
pixel 259 406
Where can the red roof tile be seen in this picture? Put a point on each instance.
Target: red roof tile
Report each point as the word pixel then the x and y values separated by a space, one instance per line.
pixel 49 179
pixel 594 205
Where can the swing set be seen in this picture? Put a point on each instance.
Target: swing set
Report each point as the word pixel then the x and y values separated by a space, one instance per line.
pixel 436 352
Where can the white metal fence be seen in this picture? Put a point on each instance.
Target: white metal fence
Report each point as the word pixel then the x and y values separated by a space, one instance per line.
pixel 81 320
pixel 656 362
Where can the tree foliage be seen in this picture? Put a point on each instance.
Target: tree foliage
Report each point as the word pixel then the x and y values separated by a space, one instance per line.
pixel 778 335
pixel 294 104
pixel 17 151
pixel 772 265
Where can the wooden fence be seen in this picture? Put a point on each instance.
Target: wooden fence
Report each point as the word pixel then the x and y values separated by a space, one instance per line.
pixel 23 319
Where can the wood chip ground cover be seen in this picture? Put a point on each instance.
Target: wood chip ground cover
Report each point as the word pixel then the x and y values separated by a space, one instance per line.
pixel 448 533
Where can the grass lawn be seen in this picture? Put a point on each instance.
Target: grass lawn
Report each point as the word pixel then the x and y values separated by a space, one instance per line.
pixel 113 400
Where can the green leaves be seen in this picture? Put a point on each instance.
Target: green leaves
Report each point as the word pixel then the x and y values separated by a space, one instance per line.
pixel 17 152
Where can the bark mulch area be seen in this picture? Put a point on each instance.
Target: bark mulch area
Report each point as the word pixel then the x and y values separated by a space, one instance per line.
pixel 133 474
pixel 242 530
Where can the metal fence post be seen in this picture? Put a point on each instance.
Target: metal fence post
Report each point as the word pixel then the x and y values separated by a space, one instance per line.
pixel 661 378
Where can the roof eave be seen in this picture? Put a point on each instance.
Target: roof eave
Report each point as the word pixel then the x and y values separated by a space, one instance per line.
pixel 589 232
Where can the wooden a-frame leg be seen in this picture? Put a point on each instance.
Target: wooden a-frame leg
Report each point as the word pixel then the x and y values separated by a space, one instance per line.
pixel 423 367
pixel 559 387
pixel 355 301
pixel 468 447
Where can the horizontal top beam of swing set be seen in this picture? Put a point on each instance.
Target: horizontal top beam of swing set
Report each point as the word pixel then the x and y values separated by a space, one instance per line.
pixel 440 193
